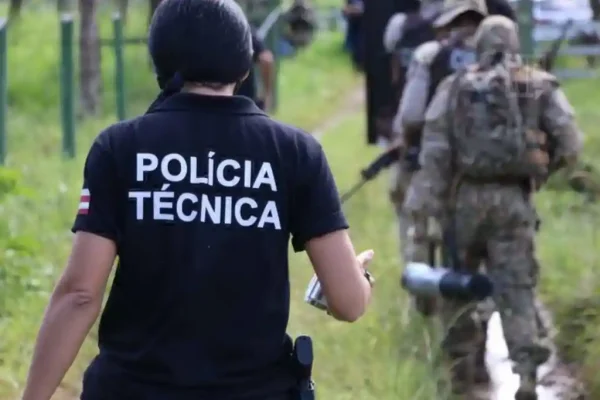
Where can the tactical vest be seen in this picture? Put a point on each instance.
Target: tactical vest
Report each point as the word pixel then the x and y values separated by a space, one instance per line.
pixel 451 58
pixel 416 31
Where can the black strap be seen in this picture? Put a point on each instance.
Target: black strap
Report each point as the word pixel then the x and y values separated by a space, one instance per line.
pixel 171 87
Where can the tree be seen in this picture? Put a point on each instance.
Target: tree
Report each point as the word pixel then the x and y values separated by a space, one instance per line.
pixel 123 7
pixel 153 5
pixel 14 9
pixel 595 6
pixel 89 58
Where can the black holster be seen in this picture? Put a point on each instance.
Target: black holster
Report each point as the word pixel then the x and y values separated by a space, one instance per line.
pixel 411 159
pixel 302 359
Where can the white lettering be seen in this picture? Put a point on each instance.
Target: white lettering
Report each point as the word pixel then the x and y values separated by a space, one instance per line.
pixel 194 172
pixel 265 176
pixel 221 173
pixel 247 174
pixel 161 201
pixel 211 168
pixel 145 162
pixel 270 216
pixel 201 205
pixel 227 219
pixel 214 212
pixel 238 211
pixel 180 213
pixel 166 171
pixel 139 203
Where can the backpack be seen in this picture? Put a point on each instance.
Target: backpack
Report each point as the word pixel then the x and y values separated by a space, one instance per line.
pixel 495 123
pixel 301 24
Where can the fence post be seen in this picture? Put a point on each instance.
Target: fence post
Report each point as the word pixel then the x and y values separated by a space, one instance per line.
pixel 270 31
pixel 273 39
pixel 119 66
pixel 332 18
pixel 3 89
pixel 526 27
pixel 66 85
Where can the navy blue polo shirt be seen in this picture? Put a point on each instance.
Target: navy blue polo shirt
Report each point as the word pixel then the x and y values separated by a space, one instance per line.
pixel 201 195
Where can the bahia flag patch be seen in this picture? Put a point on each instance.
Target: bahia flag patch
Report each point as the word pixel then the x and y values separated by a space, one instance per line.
pixel 84 202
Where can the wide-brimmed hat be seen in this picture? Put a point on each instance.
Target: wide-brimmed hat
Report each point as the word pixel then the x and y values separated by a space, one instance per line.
pixel 454 8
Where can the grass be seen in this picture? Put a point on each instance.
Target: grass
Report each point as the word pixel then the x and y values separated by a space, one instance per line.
pixel 386 355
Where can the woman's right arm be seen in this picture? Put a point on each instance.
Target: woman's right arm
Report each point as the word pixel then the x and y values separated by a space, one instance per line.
pixel 319 226
pixel 341 274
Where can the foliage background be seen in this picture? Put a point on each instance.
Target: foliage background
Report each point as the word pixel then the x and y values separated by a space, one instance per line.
pixel 389 353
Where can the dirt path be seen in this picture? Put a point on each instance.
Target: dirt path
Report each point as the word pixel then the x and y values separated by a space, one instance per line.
pixel 354 103
pixel 557 380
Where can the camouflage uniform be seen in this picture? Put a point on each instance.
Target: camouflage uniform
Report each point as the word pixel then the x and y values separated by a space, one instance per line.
pixel 495 219
pixel 419 88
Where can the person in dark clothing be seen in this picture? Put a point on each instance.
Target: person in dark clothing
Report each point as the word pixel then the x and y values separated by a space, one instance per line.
pixel 501 7
pixel 198 198
pixel 354 43
pixel 263 59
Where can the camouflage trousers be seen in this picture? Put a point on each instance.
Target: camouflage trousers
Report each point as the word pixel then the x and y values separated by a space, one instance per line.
pixel 399 181
pixel 495 225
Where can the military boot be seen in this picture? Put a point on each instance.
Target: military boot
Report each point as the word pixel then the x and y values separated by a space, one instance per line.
pixel 463 374
pixel 481 372
pixel 527 387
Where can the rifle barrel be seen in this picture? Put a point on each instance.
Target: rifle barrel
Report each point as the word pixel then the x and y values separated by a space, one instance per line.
pixel 353 190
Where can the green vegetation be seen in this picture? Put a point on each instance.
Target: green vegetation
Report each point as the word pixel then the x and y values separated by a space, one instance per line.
pixel 388 354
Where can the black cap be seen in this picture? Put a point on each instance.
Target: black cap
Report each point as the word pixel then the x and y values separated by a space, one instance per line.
pixel 201 40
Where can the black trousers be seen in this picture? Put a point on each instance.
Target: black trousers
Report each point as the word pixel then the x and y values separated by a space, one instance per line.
pixel 104 396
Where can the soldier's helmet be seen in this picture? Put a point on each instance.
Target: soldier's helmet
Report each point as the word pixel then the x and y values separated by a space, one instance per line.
pixel 453 9
pixel 200 41
pixel 497 34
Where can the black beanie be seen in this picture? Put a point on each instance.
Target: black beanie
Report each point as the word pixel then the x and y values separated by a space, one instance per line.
pixel 201 40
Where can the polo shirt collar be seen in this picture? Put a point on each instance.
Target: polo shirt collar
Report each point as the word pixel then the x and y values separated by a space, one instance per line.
pixel 196 102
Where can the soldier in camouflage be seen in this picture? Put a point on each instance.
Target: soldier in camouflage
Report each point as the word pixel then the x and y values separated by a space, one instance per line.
pixel 482 159
pixel 403 34
pixel 421 82
pixel 431 62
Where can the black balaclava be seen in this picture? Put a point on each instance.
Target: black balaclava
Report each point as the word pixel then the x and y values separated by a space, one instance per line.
pixel 501 7
pixel 205 41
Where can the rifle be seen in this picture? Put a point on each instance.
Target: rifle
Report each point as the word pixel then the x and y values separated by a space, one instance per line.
pixel 383 161
pixel 394 153
pixel 546 62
